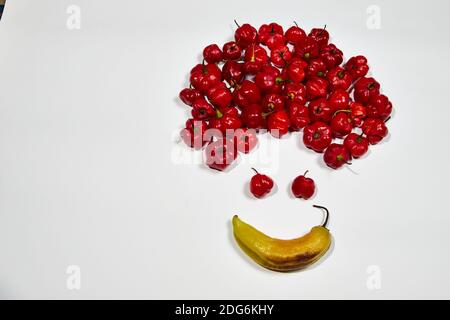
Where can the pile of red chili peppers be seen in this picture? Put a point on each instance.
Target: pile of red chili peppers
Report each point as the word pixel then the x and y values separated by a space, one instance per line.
pixel 283 81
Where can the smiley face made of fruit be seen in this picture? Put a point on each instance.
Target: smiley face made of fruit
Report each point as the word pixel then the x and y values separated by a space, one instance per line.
pixel 269 79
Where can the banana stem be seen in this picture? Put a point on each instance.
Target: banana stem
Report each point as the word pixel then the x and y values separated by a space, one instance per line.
pixel 324 224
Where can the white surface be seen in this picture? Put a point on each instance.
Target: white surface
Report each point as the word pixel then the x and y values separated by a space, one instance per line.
pixel 86 177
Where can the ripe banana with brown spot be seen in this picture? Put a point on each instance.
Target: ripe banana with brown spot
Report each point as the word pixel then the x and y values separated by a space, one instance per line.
pixel 283 255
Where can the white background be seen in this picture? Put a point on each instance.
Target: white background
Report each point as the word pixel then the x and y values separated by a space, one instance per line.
pixel 87 177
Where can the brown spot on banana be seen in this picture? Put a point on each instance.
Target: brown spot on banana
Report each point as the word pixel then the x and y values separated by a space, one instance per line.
pixel 282 255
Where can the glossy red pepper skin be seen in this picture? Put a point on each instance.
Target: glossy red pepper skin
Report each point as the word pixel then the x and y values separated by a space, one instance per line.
pixel 294 92
pixel 365 89
pixel 295 71
pixel 202 110
pixel 278 124
pixel 220 154
pixel 331 55
pixel 375 130
pixel 379 107
pixel 320 110
pixel 316 68
pixel 307 49
pixel 189 95
pixel 341 125
pixel 260 185
pixel 339 100
pixel 358 113
pixel 316 88
pixel 212 54
pixel 336 156
pixel 272 35
pixel 272 102
pixel 220 96
pixel 252 117
pixel 231 51
pixel 280 56
pixel 298 116
pixel 204 76
pixel 317 136
pixel 321 36
pixel 357 67
pixel 233 73
pixel 254 59
pixel 295 35
pixel 339 78
pixel 246 93
pixel 246 35
pixel 356 144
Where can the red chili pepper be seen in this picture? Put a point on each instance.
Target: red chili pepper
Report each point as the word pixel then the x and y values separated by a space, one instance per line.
pixel 278 124
pixel 220 96
pixel 294 92
pixel 316 68
pixel 358 113
pixel 341 124
pixel 339 100
pixel 379 107
pixel 246 93
pixel 331 55
pixel 357 66
pixel 316 87
pixel 307 50
pixel 320 110
pixel 320 35
pixel 298 116
pixel 317 136
pixel 271 35
pixel 365 89
pixel 374 129
pixel 339 78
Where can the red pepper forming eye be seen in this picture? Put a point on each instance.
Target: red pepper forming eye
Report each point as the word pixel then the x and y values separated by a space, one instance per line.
pixel 247 93
pixel 280 56
pixel 336 156
pixel 278 124
pixel 295 34
pixel 331 55
pixel 189 95
pixel 365 89
pixel 204 76
pixel 320 35
pixel 374 129
pixel 317 136
pixel 357 67
pixel 339 78
pixel 231 51
pixel 272 102
pixel 320 110
pixel 294 92
pixel 298 116
pixel 233 73
pixel 212 54
pixel 356 144
pixel 316 88
pixel 271 35
pixel 316 68
pixel 379 107
pixel 245 35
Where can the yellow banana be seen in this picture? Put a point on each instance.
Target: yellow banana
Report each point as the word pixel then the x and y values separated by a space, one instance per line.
pixel 283 255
